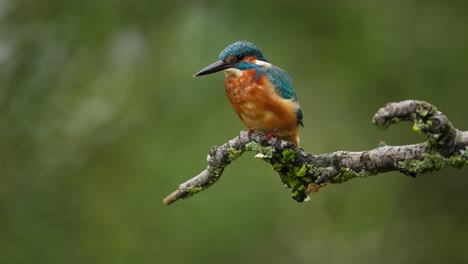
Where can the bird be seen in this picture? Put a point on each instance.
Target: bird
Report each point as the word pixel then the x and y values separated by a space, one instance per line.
pixel 261 93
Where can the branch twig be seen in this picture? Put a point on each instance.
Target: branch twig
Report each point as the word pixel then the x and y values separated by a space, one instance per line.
pixel 305 173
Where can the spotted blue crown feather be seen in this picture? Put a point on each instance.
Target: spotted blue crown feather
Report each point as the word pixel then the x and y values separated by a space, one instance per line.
pixel 242 48
pixel 280 79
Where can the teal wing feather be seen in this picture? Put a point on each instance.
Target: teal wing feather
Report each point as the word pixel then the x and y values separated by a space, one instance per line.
pixel 283 86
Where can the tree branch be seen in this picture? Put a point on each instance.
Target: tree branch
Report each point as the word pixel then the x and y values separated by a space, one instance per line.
pixel 306 173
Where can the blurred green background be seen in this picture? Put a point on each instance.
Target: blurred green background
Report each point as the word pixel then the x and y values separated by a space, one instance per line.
pixel 100 119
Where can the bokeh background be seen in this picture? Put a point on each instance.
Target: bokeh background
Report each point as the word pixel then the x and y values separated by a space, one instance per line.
pixel 100 119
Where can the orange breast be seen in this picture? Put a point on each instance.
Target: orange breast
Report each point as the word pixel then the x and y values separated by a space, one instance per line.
pixel 260 107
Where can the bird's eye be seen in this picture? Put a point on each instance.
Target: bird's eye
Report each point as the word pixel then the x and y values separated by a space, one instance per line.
pixel 234 59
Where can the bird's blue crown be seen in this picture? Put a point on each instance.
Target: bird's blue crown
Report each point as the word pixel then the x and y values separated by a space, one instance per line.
pixel 240 50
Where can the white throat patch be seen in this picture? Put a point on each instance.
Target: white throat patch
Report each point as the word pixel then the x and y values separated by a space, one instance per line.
pixel 232 71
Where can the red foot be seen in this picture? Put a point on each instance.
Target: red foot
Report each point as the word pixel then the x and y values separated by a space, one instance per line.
pixel 251 131
pixel 270 135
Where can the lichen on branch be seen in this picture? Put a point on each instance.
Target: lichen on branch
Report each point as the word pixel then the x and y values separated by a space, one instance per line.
pixel 306 173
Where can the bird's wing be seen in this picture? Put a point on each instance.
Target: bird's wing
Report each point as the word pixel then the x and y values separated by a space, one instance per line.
pixel 283 86
pixel 282 82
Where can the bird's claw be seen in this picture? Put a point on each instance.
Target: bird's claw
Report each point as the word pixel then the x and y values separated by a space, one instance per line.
pixel 270 135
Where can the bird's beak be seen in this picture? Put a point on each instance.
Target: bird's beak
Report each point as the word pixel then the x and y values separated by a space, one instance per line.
pixel 215 67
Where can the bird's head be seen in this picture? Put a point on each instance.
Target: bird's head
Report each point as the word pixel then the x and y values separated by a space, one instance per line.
pixel 236 58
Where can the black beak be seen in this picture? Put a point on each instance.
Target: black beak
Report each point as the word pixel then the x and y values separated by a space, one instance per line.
pixel 215 67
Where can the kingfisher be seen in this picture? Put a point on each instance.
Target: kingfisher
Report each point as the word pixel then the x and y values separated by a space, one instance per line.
pixel 261 94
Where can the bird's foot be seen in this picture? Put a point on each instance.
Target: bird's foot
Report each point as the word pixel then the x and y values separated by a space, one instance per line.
pixel 250 132
pixel 270 135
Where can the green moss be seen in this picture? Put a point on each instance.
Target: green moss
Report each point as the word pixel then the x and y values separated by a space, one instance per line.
pixel 425 110
pixel 316 171
pixel 215 175
pixel 302 171
pixel 288 155
pixel 396 120
pixel 422 111
pixel 293 176
pixel 464 153
pixel 277 167
pixel 346 174
pixel 457 162
pixel 431 163
pixel 298 178
pixel 392 121
pixel 299 192
pixel 193 190
pixel 233 153
pixel 255 147
pixel 288 176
